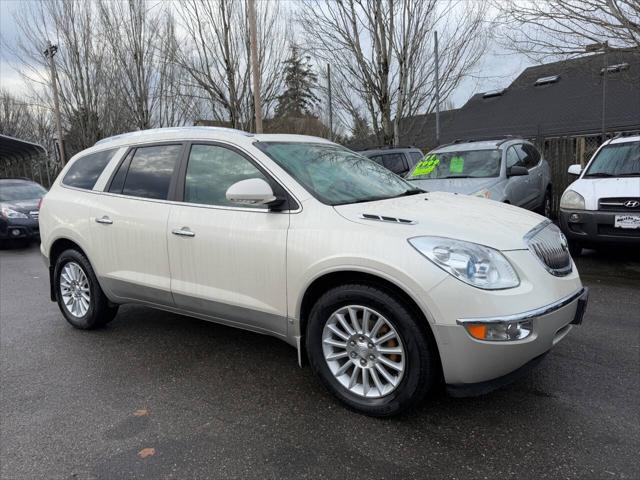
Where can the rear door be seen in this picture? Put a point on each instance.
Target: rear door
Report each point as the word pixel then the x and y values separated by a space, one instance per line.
pixel 227 261
pixel 129 227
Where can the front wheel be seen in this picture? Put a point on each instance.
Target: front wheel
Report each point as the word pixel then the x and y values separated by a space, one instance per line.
pixel 79 296
pixel 368 349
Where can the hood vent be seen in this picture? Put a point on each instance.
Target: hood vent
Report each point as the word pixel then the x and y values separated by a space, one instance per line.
pixel 381 218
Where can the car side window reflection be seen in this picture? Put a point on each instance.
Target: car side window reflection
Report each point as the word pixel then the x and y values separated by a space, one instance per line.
pixel 212 170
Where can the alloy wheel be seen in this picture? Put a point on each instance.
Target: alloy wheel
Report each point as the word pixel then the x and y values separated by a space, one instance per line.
pixel 363 351
pixel 74 289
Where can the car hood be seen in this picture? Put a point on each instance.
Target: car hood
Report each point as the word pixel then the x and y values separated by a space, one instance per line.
pixel 455 185
pixel 22 206
pixel 593 189
pixel 472 219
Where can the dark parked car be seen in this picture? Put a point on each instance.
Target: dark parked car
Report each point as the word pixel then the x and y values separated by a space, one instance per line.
pixel 19 206
pixel 399 159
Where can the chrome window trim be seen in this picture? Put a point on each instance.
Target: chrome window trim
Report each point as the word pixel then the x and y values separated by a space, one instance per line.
pixel 174 202
pixel 529 314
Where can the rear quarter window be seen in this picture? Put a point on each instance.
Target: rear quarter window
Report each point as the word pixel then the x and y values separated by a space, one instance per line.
pixel 85 170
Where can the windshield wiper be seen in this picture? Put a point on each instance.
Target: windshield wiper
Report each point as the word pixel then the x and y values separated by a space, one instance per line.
pixel 411 191
pixel 629 174
pixel 599 174
pixel 455 176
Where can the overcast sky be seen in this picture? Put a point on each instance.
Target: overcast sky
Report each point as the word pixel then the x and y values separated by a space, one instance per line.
pixel 497 69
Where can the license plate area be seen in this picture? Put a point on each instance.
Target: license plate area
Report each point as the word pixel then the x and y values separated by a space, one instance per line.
pixel 627 221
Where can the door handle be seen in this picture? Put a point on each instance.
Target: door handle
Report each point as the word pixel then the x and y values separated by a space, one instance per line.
pixel 183 232
pixel 104 220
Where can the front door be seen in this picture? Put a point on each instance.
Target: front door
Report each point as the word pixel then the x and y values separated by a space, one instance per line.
pixel 226 261
pixel 517 189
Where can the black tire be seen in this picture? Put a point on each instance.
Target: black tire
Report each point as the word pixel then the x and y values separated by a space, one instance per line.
pixel 545 207
pixel 421 364
pixel 100 311
pixel 575 249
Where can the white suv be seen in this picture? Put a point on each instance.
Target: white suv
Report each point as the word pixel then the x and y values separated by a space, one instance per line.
pixel 602 207
pixel 383 287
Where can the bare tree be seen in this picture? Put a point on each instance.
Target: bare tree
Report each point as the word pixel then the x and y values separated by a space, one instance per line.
pixel 132 30
pixel 565 27
pixel 216 55
pixel 382 55
pixel 82 65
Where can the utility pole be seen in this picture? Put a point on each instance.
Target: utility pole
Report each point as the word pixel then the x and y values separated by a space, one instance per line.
pixel 435 36
pixel 605 48
pixel 255 73
pixel 330 102
pixel 49 53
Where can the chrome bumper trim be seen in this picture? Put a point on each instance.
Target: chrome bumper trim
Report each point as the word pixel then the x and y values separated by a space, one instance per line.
pixel 519 317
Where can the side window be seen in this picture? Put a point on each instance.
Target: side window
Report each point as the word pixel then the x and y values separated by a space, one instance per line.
pixel 85 170
pixel 377 159
pixel 513 160
pixel 150 171
pixel 415 158
pixel 394 162
pixel 118 179
pixel 532 157
pixel 212 170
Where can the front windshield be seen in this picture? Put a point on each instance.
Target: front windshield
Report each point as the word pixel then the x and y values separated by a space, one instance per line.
pixel 335 175
pixel 617 160
pixel 20 191
pixel 463 164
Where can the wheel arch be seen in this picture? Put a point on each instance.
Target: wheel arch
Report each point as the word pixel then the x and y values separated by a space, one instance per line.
pixel 333 279
pixel 55 250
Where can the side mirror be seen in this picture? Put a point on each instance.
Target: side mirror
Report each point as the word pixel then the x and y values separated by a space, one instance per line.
pixel 517 171
pixel 575 169
pixel 253 191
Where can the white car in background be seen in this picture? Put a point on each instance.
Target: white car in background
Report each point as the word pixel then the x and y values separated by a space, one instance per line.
pixel 602 207
pixel 383 287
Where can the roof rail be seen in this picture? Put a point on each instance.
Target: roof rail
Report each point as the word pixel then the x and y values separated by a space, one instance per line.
pixel 501 138
pixel 144 133
pixel 385 147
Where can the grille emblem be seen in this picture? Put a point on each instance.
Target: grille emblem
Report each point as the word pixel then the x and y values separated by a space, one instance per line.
pixel 632 204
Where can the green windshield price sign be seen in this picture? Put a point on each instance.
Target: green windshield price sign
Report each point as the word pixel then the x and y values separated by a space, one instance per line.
pixel 456 165
pixel 426 166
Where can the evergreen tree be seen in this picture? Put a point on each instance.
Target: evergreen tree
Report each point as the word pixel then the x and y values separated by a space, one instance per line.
pixel 298 98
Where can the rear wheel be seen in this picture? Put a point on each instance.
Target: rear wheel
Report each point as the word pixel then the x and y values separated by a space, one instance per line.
pixel 368 349
pixel 545 208
pixel 79 296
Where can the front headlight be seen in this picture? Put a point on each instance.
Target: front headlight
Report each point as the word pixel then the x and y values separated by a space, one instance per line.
pixel 572 201
pixel 11 213
pixel 477 265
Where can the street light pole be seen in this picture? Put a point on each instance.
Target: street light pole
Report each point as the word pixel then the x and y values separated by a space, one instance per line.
pixel 255 73
pixel 49 53
pixel 603 47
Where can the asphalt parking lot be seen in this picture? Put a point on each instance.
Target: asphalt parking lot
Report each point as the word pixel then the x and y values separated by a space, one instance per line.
pixel 207 401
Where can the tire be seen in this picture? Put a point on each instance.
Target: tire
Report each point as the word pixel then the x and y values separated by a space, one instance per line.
pixel 419 351
pixel 575 249
pixel 545 207
pixel 99 311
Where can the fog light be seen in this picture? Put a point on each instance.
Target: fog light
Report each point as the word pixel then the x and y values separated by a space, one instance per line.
pixel 574 217
pixel 15 232
pixel 500 332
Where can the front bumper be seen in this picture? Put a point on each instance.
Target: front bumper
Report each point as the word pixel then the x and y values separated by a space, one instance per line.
pixel 19 228
pixel 596 227
pixel 474 367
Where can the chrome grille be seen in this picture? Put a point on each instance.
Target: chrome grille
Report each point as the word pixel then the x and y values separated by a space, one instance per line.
pixel 620 204
pixel 550 247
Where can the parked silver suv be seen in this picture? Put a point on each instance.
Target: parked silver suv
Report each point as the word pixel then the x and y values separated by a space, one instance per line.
pixel 510 171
